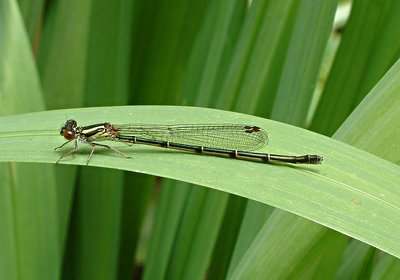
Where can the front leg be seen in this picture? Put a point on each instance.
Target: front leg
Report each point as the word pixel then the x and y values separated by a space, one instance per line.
pixel 59 147
pixel 70 152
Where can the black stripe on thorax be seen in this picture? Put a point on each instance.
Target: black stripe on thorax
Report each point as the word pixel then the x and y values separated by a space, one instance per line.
pixel 93 129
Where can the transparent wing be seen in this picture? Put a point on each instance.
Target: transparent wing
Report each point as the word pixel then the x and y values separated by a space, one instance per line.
pixel 223 136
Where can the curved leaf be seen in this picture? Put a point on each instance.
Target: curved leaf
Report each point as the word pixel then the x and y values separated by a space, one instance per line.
pixel 353 192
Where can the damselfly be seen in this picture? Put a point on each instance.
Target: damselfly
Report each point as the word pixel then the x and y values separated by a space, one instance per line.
pixel 232 140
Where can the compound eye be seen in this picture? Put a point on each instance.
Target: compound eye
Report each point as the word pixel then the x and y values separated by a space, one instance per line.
pixel 69 130
pixel 68 134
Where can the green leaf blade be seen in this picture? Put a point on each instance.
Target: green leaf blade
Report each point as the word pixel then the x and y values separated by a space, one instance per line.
pixel 344 193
